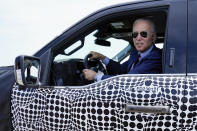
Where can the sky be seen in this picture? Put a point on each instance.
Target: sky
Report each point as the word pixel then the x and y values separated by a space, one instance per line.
pixel 27 25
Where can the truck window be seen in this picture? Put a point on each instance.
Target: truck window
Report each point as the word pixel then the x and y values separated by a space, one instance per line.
pixel 113 38
pixel 116 46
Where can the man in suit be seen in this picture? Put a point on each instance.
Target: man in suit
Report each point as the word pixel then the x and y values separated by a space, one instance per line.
pixel 146 58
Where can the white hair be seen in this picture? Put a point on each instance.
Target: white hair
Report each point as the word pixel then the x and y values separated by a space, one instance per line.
pixel 153 29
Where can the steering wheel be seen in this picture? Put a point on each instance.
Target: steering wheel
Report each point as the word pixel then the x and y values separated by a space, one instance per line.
pixel 94 64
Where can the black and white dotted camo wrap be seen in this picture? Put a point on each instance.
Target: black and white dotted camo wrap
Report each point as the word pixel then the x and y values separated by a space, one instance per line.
pixel 101 106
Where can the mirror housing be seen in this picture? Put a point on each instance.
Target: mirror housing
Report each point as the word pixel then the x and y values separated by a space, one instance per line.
pixel 102 42
pixel 27 70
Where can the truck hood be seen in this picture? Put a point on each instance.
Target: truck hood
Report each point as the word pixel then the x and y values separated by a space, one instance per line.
pixel 6 69
pixel 6 85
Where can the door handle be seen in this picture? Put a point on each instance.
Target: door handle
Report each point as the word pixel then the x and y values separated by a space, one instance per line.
pixel 172 54
pixel 148 109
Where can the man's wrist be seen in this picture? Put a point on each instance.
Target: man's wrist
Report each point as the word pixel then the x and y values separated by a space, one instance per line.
pixel 106 61
pixel 98 76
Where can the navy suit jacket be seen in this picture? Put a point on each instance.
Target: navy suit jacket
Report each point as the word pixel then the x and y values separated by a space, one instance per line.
pixel 152 63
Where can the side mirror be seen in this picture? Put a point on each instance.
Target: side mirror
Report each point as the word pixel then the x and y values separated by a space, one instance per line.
pixel 27 71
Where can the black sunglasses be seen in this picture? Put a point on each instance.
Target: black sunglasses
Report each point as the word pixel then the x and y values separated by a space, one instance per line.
pixel 143 34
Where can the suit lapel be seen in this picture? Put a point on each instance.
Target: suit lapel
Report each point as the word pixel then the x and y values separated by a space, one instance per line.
pixel 147 56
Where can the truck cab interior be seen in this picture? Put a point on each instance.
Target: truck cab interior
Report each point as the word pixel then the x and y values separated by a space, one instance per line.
pixel 111 37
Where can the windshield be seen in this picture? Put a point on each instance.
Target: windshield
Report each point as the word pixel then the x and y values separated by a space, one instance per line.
pixel 116 46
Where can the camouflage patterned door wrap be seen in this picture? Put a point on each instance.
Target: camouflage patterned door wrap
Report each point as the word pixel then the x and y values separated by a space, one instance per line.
pixel 189 106
pixel 101 106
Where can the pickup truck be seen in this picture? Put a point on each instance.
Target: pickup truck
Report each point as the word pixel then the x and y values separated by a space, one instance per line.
pixel 48 91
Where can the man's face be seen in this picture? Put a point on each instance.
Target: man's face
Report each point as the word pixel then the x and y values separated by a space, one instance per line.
pixel 143 43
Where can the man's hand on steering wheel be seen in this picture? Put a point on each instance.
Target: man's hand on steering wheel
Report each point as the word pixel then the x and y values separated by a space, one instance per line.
pixel 90 72
pixel 96 55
